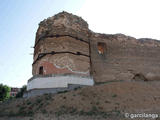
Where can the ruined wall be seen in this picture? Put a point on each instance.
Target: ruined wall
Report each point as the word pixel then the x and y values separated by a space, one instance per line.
pixel 62 46
pixel 125 58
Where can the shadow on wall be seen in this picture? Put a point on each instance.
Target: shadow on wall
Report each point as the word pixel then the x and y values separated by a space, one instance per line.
pixel 147 77
pixel 139 77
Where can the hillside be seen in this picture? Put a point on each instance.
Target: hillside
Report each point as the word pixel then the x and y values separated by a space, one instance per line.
pixel 105 101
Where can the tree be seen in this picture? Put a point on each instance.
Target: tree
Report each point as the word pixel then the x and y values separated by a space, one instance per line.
pixel 21 92
pixel 4 92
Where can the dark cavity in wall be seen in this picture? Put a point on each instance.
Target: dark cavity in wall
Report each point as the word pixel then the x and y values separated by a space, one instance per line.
pixel 102 49
pixel 41 70
pixel 139 77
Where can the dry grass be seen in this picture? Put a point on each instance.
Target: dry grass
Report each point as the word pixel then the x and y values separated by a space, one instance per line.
pixel 108 100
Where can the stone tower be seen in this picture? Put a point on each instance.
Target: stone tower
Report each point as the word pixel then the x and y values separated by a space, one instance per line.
pixel 61 54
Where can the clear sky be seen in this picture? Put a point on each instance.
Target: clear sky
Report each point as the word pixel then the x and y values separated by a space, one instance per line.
pixel 19 21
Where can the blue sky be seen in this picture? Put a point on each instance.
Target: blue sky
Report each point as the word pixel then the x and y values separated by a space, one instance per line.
pixel 19 21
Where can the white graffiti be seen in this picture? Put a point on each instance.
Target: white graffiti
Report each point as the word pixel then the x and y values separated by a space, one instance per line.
pixel 71 69
pixel 66 62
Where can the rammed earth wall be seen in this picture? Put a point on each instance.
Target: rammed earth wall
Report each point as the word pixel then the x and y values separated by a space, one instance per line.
pixel 125 58
pixel 65 45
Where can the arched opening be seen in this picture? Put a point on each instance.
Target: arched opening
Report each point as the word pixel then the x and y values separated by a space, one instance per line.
pixel 101 48
pixel 41 70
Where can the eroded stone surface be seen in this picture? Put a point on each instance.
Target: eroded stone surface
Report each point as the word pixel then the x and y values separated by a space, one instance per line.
pixel 123 57
pixel 67 33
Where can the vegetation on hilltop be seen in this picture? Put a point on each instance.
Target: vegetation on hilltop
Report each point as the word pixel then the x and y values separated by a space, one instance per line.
pixel 4 92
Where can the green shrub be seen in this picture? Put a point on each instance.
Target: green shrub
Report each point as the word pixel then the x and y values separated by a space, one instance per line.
pixel 28 102
pixel 4 92
pixel 48 96
pixel 114 95
pixel 21 92
pixel 97 103
pixel 62 92
pixel 44 111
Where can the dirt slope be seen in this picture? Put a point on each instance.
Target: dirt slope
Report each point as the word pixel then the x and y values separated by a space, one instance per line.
pixel 106 101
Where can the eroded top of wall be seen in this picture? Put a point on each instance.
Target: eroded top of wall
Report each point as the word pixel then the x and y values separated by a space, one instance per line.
pixel 63 24
pixel 124 38
pixel 65 19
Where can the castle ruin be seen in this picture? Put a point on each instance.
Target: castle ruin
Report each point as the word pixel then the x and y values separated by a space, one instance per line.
pixel 68 55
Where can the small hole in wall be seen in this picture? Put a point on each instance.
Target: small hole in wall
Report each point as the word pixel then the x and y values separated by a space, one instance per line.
pixel 78 53
pixel 41 70
pixel 101 47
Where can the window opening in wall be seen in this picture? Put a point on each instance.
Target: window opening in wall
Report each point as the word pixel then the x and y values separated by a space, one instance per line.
pixel 41 70
pixel 101 47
